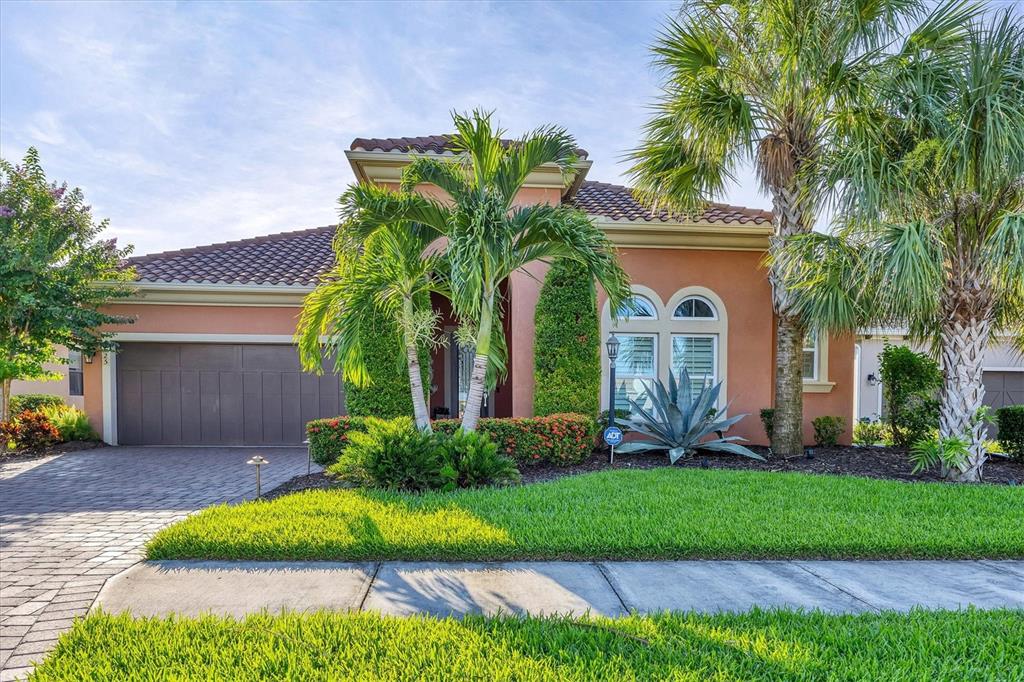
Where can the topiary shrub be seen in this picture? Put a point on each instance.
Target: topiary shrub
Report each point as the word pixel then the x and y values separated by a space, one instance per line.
pixel 910 383
pixel 328 438
pixel 388 395
pixel 566 347
pixel 1011 430
pixel 34 402
pixel 827 430
pixel 559 439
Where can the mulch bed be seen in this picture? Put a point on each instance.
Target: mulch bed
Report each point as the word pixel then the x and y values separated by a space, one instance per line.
pixel 871 462
pixel 11 456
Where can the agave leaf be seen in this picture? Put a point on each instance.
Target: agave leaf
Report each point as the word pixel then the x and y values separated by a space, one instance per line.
pixel 725 423
pixel 675 454
pixel 659 397
pixel 684 400
pixel 676 420
pixel 733 448
pixel 638 446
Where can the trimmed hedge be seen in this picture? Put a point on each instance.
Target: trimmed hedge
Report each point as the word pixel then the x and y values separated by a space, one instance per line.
pixel 1011 430
pixel 34 402
pixel 328 438
pixel 566 348
pixel 560 439
pixel 388 396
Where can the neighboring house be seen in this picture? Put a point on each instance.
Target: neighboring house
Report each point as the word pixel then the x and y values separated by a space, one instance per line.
pixel 1003 372
pixel 68 386
pixel 210 358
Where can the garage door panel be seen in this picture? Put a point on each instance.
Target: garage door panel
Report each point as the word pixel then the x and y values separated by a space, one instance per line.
pixel 200 394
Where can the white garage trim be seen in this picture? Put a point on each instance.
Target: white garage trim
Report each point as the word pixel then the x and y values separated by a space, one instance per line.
pixel 1002 369
pixel 108 374
pixel 204 338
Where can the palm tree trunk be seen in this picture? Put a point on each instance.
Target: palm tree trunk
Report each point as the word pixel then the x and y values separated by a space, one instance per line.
pixel 478 379
pixel 963 391
pixel 5 401
pixel 412 357
pixel 788 429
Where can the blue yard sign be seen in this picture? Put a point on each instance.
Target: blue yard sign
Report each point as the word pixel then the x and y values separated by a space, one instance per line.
pixel 613 436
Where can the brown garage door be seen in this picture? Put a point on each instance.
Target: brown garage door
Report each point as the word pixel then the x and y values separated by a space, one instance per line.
pixel 218 394
pixel 1002 389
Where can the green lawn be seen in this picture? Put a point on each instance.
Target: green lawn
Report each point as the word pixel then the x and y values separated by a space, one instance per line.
pixel 759 645
pixel 655 514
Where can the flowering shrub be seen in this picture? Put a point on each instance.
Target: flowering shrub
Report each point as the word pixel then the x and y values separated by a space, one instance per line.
pixel 561 439
pixel 328 438
pixel 29 430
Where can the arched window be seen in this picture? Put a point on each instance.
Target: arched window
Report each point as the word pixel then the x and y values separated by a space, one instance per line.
pixel 695 308
pixel 638 307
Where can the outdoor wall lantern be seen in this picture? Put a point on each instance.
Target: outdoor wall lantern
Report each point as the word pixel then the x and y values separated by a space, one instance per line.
pixel 612 345
pixel 873 380
pixel 258 461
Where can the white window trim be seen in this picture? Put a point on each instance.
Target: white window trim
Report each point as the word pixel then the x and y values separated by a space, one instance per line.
pixel 819 383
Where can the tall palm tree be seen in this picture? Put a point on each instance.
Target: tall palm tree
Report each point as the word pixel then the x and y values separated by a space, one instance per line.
pixel 390 273
pixel 488 235
pixel 934 209
pixel 762 81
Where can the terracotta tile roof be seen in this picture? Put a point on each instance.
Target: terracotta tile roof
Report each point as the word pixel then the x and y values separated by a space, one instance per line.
pixel 431 144
pixel 288 258
pixel 617 203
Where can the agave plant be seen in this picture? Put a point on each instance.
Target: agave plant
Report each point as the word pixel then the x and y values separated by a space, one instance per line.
pixel 679 422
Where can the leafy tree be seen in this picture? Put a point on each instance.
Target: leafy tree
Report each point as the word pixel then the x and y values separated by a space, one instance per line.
pixel 769 81
pixel 55 274
pixel 934 209
pixel 910 382
pixel 387 275
pixel 566 348
pixel 488 236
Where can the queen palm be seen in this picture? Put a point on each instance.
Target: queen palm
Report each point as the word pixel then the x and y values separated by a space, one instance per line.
pixel 388 274
pixel 489 236
pixel 762 81
pixel 934 209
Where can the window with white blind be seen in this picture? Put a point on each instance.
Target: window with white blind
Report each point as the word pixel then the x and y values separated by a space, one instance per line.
pixel 698 354
pixel 637 364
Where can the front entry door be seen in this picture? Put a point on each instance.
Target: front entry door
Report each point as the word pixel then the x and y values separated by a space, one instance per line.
pixel 462 365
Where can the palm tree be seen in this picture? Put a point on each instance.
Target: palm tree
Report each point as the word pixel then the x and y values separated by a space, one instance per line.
pixel 762 81
pixel 390 274
pixel 488 236
pixel 934 211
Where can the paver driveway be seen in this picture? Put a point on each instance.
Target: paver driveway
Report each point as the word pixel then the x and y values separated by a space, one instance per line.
pixel 67 523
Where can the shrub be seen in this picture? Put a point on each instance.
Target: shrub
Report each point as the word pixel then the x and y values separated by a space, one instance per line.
pixel 388 394
pixel 33 402
pixel 910 382
pixel 768 421
pixel 328 438
pixel 560 439
pixel 827 430
pixel 948 452
pixel 567 352
pixel 471 459
pixel 1011 430
pixel 71 423
pixel 31 429
pixel 870 433
pixel 391 454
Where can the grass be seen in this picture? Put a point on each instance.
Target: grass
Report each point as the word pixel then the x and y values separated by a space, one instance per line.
pixel 656 514
pixel 759 645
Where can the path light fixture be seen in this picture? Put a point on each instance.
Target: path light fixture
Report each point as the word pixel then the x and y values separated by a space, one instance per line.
pixel 309 457
pixel 612 346
pixel 258 461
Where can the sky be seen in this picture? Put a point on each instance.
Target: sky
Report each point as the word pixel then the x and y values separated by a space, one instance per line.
pixel 193 123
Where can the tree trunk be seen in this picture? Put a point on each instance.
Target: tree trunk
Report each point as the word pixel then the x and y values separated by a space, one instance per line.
pixel 5 401
pixel 788 427
pixel 787 433
pixel 419 401
pixel 963 391
pixel 478 379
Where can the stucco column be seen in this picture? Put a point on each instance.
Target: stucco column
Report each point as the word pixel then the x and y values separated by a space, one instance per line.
pixel 524 292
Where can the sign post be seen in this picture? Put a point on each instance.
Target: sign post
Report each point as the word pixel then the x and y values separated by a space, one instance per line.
pixel 612 436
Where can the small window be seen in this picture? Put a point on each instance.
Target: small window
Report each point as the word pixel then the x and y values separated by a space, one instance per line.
pixel 635 367
pixel 810 370
pixel 75 386
pixel 638 308
pixel 695 308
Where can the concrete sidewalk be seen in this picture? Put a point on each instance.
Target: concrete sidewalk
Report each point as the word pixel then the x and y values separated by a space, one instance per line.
pixel 610 588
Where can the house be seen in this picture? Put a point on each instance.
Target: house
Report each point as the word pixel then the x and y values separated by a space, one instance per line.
pixel 210 358
pixel 1003 369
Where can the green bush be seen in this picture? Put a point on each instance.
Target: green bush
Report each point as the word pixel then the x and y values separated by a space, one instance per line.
pixel 870 433
pixel 388 395
pixel 910 382
pixel 827 430
pixel 328 438
pixel 1011 430
pixel 560 439
pixel 566 347
pixel 29 429
pixel 471 459
pixel 33 402
pixel 391 454
pixel 71 423
pixel 768 421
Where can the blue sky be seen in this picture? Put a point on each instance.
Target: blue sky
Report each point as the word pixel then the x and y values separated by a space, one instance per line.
pixel 190 123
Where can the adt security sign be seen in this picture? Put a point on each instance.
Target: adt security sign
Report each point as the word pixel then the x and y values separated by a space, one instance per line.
pixel 613 435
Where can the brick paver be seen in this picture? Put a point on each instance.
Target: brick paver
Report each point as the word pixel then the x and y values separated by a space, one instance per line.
pixel 67 523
